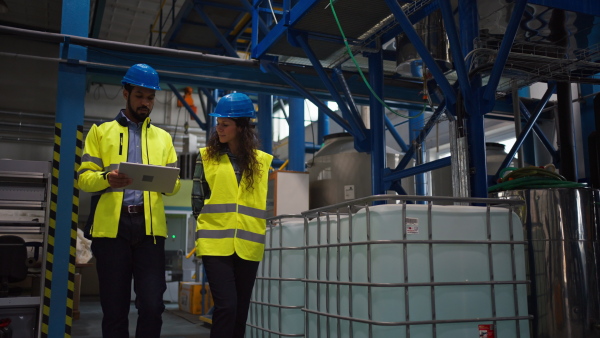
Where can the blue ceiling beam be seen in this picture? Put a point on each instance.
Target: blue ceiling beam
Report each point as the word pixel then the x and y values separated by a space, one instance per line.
pixel 582 6
pixel 224 42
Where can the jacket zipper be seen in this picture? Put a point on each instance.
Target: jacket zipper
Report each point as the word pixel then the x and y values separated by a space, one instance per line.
pixel 121 144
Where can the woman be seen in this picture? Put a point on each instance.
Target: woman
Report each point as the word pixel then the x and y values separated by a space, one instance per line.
pixel 229 200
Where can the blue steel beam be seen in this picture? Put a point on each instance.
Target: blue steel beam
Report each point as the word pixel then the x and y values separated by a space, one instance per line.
pixel 358 127
pixel 392 176
pixel 428 126
pixel 395 134
pixel 377 135
pixel 224 42
pixel 293 83
pixel 433 67
pixel 260 22
pixel 280 30
pixel 538 131
pixel 528 127
pixel 187 107
pixel 70 110
pixel 456 50
pixel 489 97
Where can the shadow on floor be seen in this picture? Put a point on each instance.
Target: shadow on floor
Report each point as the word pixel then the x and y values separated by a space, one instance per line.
pixel 176 323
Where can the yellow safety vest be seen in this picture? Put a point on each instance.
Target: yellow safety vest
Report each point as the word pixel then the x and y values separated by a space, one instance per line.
pixel 233 218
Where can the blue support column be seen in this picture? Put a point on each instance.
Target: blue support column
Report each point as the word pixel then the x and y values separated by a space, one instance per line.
pixel 377 134
pixel 70 103
pixel 296 140
pixel 265 122
pixel 415 125
pixel 323 126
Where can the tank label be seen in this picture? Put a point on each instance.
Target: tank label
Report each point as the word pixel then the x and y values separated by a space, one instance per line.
pixel 486 331
pixel 349 192
pixel 412 225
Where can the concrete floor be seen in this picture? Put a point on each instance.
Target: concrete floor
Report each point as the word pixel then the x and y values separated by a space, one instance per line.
pixel 176 323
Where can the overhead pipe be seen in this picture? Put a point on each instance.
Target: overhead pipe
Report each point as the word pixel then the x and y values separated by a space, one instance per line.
pixel 125 47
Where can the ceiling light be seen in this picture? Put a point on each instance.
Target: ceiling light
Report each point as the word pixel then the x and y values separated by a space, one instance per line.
pixel 3 7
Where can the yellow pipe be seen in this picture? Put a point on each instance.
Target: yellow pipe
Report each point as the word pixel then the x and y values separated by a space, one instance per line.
pixel 284 164
pixel 190 253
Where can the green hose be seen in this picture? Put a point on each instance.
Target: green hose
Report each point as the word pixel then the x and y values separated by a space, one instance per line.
pixel 532 178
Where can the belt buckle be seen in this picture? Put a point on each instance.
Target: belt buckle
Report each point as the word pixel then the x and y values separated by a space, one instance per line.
pixel 131 209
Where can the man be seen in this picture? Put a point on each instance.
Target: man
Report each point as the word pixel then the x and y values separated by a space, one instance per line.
pixel 129 226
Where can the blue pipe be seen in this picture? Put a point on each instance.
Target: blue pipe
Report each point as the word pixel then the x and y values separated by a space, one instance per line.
pixel 416 124
pixel 428 126
pixel 323 126
pixel 296 144
pixel 377 135
pixel 528 127
pixel 187 107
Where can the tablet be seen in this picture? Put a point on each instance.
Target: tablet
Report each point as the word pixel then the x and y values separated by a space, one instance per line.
pixel 150 177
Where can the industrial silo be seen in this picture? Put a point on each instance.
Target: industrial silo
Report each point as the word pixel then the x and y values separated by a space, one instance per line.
pixel 561 225
pixel 339 173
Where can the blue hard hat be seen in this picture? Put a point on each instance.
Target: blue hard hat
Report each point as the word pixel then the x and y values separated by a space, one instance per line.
pixel 141 75
pixel 234 105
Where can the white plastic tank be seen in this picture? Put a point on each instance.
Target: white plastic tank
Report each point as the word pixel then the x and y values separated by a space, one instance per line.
pixel 278 295
pixel 453 271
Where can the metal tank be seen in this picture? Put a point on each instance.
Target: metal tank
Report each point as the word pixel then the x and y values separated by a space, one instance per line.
pixel 562 230
pixel 338 172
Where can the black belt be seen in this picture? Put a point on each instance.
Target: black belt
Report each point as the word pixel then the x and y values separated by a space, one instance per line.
pixel 132 209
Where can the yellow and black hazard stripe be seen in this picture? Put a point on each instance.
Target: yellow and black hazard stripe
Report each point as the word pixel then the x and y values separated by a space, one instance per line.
pixel 52 232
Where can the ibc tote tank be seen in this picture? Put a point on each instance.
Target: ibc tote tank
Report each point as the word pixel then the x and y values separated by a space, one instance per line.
pixel 418 271
pixel 564 253
pixel 278 294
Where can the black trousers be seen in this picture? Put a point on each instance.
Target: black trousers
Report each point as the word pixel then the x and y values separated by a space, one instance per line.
pixel 231 280
pixel 131 254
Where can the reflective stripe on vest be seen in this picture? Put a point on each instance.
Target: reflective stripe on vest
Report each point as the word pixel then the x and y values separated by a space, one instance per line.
pixel 230 233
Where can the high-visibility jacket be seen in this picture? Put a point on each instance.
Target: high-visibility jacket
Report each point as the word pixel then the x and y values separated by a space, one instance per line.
pixel 106 146
pixel 233 218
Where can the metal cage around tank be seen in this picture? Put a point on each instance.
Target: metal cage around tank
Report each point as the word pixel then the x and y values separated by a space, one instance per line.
pixel 385 266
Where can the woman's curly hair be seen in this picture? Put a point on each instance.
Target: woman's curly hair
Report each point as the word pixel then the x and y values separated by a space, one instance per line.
pixel 248 144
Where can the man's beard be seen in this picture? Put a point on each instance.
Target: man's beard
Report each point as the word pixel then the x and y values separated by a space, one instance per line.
pixel 135 114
